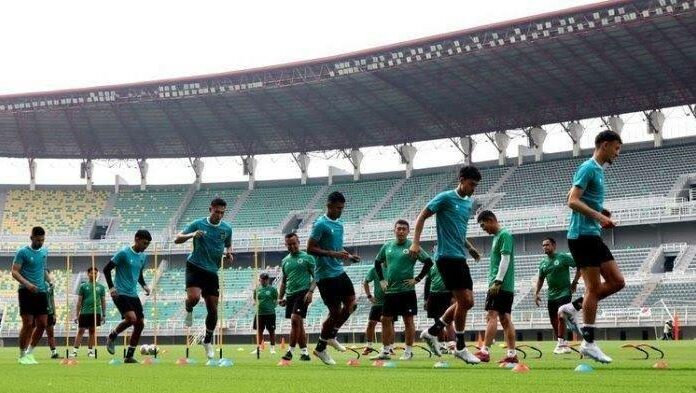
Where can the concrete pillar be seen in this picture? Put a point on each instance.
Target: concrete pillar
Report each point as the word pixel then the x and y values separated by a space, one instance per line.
pixel 616 123
pixel 250 163
pixel 408 153
pixel 335 171
pixel 143 166
pixel 198 167
pixel 537 136
pixel 522 152
pixel 502 140
pixel 356 157
pixel 32 174
pixel 656 122
pixel 303 163
pixel 86 170
pixel 467 145
pixel 575 131
pixel 118 181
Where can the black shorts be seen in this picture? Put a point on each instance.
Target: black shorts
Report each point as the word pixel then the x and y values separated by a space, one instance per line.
pixel 589 251
pixel 267 322
pixel 438 303
pixel 455 273
pixel 295 304
pixel 197 277
pixel 502 302
pixel 32 303
pixel 51 321
pixel 86 321
pixel 125 304
pixel 402 303
pixel 375 313
pixel 335 289
pixel 555 304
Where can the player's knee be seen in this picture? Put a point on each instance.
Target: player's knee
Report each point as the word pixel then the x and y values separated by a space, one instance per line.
pixel 139 323
pixel 465 303
pixel 131 319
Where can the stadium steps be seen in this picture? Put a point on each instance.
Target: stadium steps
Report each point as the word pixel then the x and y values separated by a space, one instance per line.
pixel 685 260
pixel 499 183
pixel 657 254
pixel 185 202
pixel 237 206
pixel 387 199
pixel 648 288
pixel 317 197
pixel 3 198
pixel 110 202
pixel 681 185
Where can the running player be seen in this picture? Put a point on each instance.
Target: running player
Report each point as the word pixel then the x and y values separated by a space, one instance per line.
pixel 211 238
pixel 266 299
pixel 591 255
pixel 29 269
pixel 501 291
pixel 394 267
pixel 88 309
pixel 51 320
pixel 298 283
pixel 129 263
pixel 555 269
pixel 335 287
pixel 452 210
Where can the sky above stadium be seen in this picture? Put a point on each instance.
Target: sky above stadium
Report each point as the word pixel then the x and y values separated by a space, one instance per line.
pixel 69 44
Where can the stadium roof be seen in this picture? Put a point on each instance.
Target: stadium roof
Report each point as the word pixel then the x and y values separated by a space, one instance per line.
pixel 606 58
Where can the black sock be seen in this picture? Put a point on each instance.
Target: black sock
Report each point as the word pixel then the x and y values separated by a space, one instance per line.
pixel 321 345
pixel 461 344
pixel 188 308
pixel 588 333
pixel 577 303
pixel 113 335
pixel 437 327
pixel 130 351
pixel 208 336
pixel 53 348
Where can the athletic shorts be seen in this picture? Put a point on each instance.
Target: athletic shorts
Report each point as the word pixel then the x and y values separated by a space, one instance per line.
pixel 295 304
pixel 333 290
pixel 589 251
pixel 554 304
pixel 455 273
pixel 86 321
pixel 267 322
pixel 197 277
pixel 402 303
pixel 438 303
pixel 125 304
pixel 32 303
pixel 375 313
pixel 51 321
pixel 502 302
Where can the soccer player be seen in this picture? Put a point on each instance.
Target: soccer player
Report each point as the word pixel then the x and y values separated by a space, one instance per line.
pixel 591 255
pixel 211 238
pixel 89 306
pixel 452 210
pixel 335 287
pixel 501 291
pixel 266 299
pixel 437 299
pixel 394 267
pixel 129 263
pixel 29 269
pixel 555 269
pixel 377 302
pixel 296 291
pixel 51 319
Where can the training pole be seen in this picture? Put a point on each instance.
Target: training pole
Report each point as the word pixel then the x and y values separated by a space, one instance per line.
pixel 94 306
pixel 256 300
pixel 221 303
pixel 67 304
pixel 154 298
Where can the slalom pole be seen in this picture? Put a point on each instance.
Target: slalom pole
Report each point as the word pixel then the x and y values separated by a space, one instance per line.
pixel 67 305
pixel 256 300
pixel 94 306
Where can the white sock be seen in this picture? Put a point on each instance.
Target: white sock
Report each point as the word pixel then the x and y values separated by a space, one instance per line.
pixel 272 347
pixel 29 350
pixel 292 349
pixel 53 351
pixel 408 349
pixel 560 340
pixel 304 351
pixel 511 353
pixel 369 344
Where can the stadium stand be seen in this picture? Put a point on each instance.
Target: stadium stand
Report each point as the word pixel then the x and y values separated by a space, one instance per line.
pixel 60 212
pixel 152 209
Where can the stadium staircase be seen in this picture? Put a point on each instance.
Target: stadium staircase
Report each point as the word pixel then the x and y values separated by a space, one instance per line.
pixel 657 254
pixel 680 187
pixel 3 198
pixel 387 199
pixel 648 288
pixel 237 206
pixel 685 260
pixel 185 202
pixel 493 191
pixel 321 193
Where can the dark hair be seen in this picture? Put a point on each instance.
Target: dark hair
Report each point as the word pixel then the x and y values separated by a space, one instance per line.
pixel 91 269
pixel 401 222
pixel 607 136
pixel 485 215
pixel 469 172
pixel 38 231
pixel 550 239
pixel 336 197
pixel 218 202
pixel 290 235
pixel 143 234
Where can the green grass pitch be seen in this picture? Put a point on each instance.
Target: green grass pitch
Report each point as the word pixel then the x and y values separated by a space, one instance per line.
pixel 555 373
